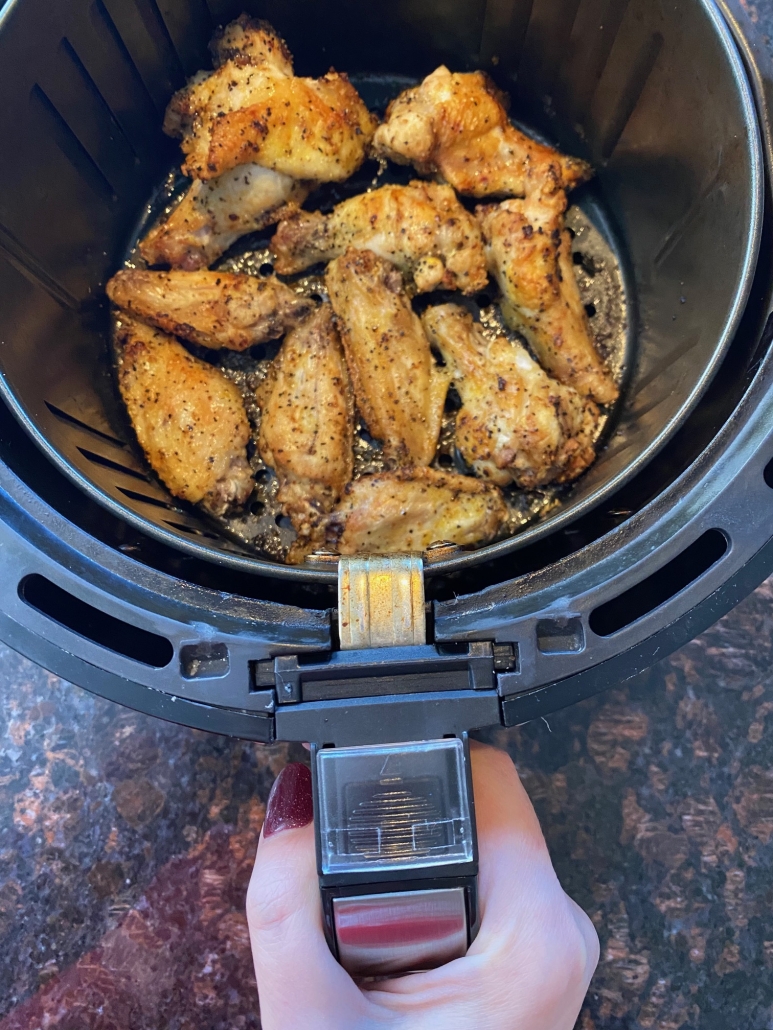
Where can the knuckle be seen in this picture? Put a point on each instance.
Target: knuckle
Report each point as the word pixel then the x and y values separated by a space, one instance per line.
pixel 581 946
pixel 271 905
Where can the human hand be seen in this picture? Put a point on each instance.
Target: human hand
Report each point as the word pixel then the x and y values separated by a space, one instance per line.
pixel 528 968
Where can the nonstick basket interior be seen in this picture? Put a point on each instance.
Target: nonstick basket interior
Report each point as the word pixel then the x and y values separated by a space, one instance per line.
pixel 654 96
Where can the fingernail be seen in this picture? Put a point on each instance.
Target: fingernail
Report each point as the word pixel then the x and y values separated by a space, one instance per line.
pixel 289 804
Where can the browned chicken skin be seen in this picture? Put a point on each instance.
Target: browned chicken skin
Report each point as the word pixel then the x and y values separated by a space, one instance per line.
pixel 399 389
pixel 516 424
pixel 456 125
pixel 251 39
pixel 213 309
pixel 189 419
pixel 214 214
pixel 307 425
pixel 305 128
pixel 245 41
pixel 421 228
pixel 256 139
pixel 530 256
pixel 411 508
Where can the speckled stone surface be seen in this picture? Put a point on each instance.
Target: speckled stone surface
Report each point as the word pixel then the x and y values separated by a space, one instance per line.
pixel 126 845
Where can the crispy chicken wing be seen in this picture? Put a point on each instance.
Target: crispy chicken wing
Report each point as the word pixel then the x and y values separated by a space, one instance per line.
pixel 456 125
pixel 306 128
pixel 530 255
pixel 213 215
pixel 422 228
pixel 307 425
pixel 189 419
pixel 245 41
pixel 399 389
pixel 254 40
pixel 213 309
pixel 409 509
pixel 516 423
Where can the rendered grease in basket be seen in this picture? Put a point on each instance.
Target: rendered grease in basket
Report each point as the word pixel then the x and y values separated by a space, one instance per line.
pixel 359 355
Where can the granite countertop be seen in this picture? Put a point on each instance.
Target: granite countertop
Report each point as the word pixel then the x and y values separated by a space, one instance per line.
pixel 126 844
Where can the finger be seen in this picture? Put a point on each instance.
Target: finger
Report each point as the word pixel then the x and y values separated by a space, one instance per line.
pixel 591 939
pixel 299 981
pixel 515 866
pixel 536 950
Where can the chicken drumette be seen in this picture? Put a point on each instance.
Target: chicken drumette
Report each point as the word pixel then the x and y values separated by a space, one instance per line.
pixel 516 424
pixel 399 389
pixel 213 309
pixel 530 255
pixel 307 425
pixel 456 126
pixel 421 228
pixel 189 419
pixel 213 215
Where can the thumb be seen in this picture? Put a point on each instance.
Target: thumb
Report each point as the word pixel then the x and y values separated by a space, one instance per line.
pixel 299 981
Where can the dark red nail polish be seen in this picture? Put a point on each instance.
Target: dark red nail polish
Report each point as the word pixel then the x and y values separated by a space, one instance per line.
pixel 289 804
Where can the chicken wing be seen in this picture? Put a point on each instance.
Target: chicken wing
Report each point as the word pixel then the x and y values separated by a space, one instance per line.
pixel 422 228
pixel 456 126
pixel 213 309
pixel 254 40
pixel 530 255
pixel 516 423
pixel 306 128
pixel 307 423
pixel 189 419
pixel 399 389
pixel 245 41
pixel 409 509
pixel 213 215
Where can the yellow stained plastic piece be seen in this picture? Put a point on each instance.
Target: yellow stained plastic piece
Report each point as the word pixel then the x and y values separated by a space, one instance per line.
pixel 381 601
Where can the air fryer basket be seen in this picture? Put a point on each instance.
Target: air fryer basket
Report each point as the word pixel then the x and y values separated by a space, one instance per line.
pixel 100 588
pixel 656 98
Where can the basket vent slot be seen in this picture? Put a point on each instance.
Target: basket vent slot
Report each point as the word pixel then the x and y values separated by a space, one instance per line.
pixel 115 466
pixel 23 261
pixel 65 416
pixel 101 15
pixel 93 90
pixel 146 499
pixel 71 147
pixel 157 29
pixel 661 586
pixel 640 68
pixel 95 625
pixel 191 531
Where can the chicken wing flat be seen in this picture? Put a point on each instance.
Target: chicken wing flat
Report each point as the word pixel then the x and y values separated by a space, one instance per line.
pixel 456 126
pixel 409 509
pixel 305 128
pixel 214 214
pixel 254 40
pixel 213 309
pixel 307 424
pixel 516 424
pixel 530 256
pixel 399 389
pixel 189 419
pixel 421 228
